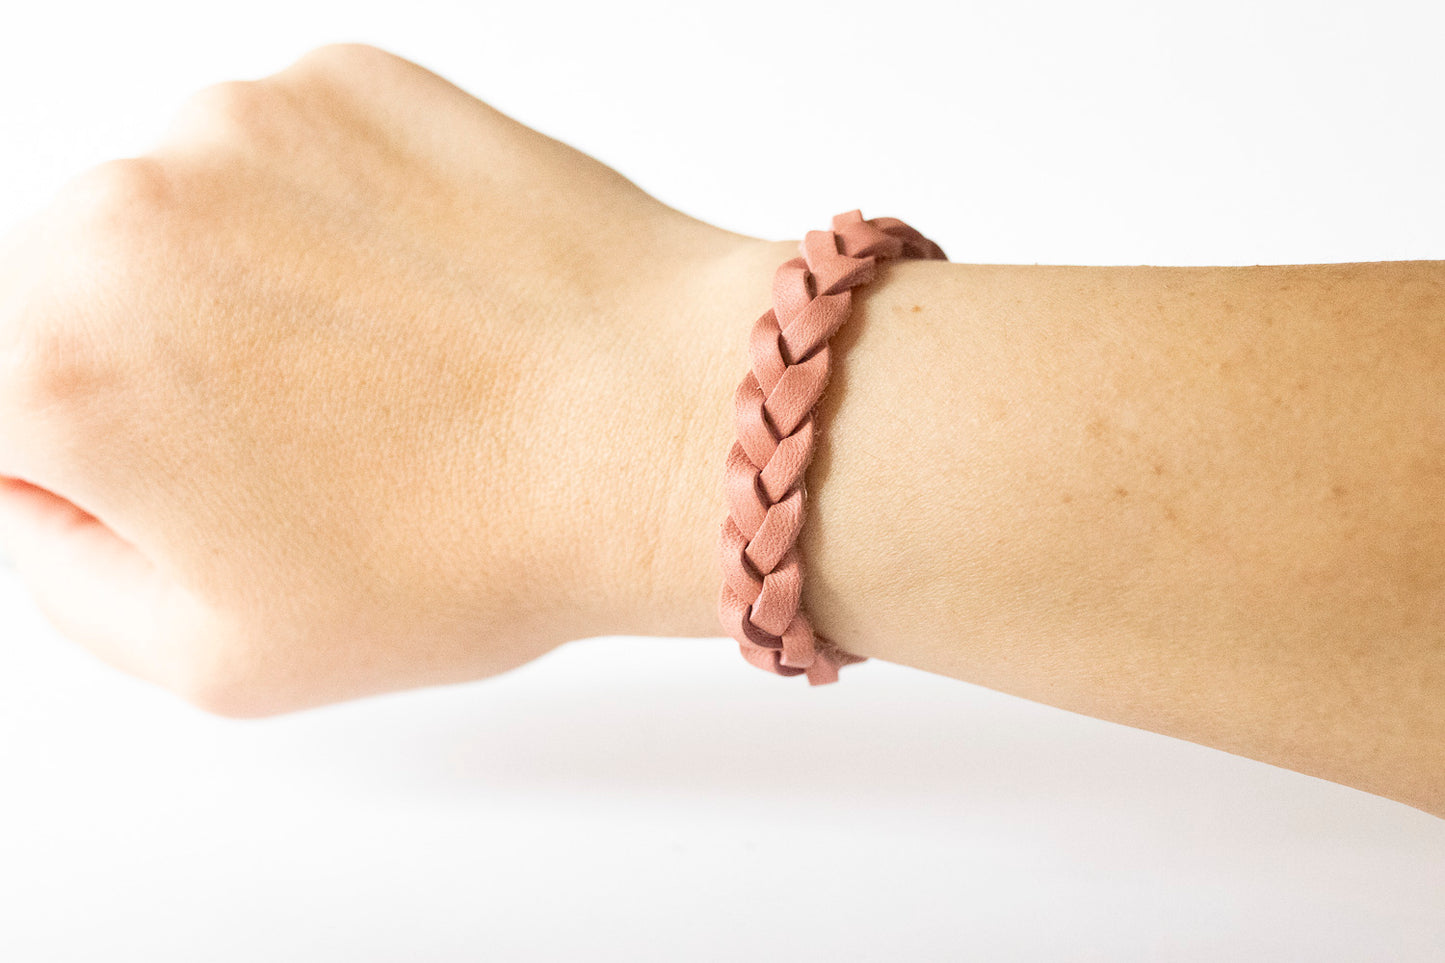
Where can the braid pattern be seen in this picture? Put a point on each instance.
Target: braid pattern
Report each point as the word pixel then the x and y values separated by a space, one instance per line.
pixel 760 602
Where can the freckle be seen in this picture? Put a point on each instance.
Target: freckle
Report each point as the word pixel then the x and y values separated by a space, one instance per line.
pixel 916 308
pixel 1121 492
pixel 1337 490
pixel 1158 468
pixel 1066 498
pixel 1095 427
pixel 1169 514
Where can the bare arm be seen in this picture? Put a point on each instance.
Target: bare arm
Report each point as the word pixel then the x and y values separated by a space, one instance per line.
pixel 354 384
pixel 1208 502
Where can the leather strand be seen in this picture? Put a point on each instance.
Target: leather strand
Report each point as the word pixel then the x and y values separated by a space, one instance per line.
pixel 760 604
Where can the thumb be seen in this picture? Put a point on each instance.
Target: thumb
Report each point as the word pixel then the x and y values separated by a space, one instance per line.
pixel 93 586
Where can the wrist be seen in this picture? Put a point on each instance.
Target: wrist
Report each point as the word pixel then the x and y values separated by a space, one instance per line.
pixel 708 347
pixel 688 575
pixel 618 452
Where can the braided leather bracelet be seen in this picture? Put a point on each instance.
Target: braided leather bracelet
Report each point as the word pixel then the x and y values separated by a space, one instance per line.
pixel 760 602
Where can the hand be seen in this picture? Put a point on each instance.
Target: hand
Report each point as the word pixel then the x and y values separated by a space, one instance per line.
pixel 352 384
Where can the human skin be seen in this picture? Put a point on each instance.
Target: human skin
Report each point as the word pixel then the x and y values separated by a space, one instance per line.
pixel 353 384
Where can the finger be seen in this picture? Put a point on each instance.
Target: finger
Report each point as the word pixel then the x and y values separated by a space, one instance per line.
pixel 93 586
pixel 48 341
pixel 17 282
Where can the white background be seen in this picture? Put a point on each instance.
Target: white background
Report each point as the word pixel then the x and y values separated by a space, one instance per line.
pixel 659 799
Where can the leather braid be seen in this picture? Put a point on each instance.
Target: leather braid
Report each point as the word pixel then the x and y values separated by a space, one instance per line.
pixel 760 602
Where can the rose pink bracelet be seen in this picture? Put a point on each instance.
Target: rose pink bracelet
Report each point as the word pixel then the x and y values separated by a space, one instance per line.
pixel 760 603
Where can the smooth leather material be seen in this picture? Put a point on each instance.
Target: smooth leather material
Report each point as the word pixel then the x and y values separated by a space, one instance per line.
pixel 760 602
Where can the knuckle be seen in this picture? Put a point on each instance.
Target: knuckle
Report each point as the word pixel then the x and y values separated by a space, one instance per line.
pixel 105 224
pixel 48 366
pixel 343 59
pixel 118 191
pixel 93 260
pixel 352 74
pixel 233 112
pixel 242 102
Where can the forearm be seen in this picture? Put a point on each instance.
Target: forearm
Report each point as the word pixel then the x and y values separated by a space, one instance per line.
pixel 1206 502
